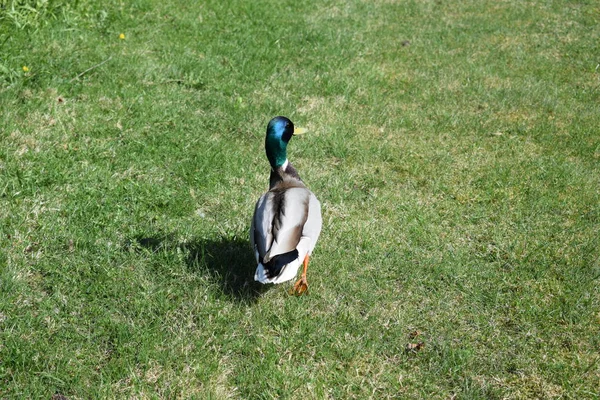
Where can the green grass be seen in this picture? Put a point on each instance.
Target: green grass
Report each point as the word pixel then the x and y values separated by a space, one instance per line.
pixel 454 147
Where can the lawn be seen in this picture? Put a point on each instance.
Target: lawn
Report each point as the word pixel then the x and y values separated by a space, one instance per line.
pixel 454 146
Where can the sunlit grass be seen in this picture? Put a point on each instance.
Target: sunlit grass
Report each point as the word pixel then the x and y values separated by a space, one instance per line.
pixel 454 149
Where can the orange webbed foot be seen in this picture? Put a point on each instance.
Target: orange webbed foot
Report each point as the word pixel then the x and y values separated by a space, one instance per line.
pixel 302 285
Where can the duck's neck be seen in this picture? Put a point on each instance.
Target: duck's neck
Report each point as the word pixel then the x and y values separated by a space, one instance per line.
pixel 276 150
pixel 286 172
pixel 285 165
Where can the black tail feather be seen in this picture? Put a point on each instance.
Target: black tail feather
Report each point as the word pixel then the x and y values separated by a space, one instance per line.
pixel 276 264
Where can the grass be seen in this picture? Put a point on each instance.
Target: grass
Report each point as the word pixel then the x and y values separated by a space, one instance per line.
pixel 454 148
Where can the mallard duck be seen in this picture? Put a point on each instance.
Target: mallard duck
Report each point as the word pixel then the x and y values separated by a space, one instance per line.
pixel 287 219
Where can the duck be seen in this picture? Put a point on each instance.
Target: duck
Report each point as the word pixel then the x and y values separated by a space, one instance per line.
pixel 287 219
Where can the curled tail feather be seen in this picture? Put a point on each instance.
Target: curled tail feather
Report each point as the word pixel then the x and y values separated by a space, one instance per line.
pixel 274 266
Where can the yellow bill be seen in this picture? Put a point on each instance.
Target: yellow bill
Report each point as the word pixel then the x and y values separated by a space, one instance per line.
pixel 300 131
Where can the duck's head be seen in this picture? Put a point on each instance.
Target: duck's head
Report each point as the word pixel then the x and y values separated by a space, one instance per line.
pixel 279 132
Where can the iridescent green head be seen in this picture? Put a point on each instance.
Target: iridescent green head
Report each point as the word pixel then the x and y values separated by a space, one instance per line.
pixel 279 133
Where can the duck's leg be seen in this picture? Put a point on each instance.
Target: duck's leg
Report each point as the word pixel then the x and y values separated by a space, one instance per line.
pixel 302 285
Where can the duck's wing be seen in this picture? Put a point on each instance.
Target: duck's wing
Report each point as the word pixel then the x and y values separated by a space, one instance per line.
pixel 261 235
pixel 312 227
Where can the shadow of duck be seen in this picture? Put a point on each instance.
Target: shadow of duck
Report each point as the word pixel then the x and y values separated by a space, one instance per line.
pixel 227 260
